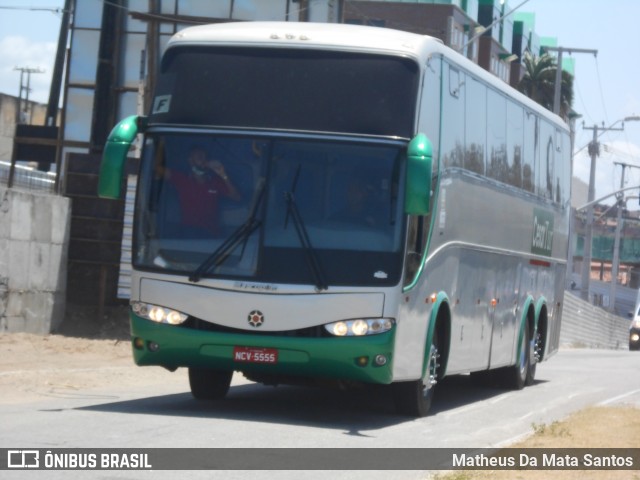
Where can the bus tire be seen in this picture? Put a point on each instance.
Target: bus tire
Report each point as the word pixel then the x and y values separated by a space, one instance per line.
pixel 414 398
pixel 534 355
pixel 515 377
pixel 208 384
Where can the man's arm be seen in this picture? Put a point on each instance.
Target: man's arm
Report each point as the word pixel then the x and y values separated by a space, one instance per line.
pixel 219 170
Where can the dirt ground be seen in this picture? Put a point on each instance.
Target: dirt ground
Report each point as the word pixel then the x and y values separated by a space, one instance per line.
pixel 82 356
pixel 33 367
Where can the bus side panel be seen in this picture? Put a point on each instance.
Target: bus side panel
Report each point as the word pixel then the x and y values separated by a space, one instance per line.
pixel 481 257
pixel 412 324
pixel 555 313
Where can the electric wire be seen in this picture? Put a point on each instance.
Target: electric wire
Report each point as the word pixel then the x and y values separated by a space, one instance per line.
pixel 604 104
pixel 33 9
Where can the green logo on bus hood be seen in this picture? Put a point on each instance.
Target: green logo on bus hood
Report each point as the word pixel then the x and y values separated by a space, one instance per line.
pixel 542 241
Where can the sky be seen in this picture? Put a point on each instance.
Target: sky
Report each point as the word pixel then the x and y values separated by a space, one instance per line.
pixel 606 86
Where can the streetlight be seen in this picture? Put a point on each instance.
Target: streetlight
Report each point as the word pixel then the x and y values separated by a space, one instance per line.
pixel 594 151
pixel 480 30
pixel 558 82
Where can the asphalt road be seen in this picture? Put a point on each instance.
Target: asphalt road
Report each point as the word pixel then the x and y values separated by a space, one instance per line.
pixel 464 415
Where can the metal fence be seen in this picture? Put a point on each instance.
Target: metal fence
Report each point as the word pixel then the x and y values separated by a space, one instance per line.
pixel 28 178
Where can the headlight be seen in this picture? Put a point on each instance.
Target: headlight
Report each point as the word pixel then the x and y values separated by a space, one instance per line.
pixel 158 314
pixel 359 327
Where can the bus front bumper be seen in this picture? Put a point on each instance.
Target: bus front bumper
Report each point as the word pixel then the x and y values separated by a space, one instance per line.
pixel 338 358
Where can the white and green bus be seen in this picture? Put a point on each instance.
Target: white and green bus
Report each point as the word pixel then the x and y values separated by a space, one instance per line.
pixel 399 214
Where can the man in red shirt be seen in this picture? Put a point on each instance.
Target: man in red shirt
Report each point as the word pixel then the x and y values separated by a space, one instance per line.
pixel 199 190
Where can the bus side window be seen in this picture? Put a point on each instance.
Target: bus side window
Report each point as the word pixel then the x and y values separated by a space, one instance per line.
pixel 453 115
pixel 530 152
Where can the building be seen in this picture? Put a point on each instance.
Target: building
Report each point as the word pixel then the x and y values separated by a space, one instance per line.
pixel 11 116
pixel 454 22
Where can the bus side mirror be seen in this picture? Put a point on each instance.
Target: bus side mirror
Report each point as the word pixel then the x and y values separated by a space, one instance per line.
pixel 419 164
pixel 115 155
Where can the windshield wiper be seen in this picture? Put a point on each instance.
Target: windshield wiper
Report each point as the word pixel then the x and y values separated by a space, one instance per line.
pixel 303 235
pixel 239 236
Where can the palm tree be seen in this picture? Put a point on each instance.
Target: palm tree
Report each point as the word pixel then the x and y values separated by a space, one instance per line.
pixel 538 82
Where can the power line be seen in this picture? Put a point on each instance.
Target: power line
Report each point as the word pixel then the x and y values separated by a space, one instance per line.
pixel 34 9
pixel 576 87
pixel 604 104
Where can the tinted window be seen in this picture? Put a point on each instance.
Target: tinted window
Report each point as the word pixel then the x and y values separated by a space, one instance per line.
pixel 546 166
pixel 287 89
pixel 475 126
pixel 515 136
pixel 497 137
pixel 452 141
pixel 530 156
pixel 273 198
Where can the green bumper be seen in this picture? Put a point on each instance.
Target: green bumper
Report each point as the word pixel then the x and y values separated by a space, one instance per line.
pixel 333 358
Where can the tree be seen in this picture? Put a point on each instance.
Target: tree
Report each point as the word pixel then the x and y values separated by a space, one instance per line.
pixel 538 82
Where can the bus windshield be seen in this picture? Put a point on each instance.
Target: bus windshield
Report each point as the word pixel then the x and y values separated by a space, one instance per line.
pixel 270 209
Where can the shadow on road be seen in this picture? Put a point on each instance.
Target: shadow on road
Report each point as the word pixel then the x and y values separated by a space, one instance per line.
pixel 351 410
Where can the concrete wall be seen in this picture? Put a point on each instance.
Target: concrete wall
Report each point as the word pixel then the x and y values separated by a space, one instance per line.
pixel 586 325
pixel 34 237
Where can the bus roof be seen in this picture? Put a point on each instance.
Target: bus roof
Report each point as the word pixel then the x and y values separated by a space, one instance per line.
pixel 307 34
pixel 345 37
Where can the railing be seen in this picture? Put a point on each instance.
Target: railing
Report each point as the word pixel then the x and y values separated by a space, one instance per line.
pixel 28 178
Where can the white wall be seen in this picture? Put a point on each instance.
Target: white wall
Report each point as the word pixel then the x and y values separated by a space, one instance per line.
pixel 34 238
pixel 585 325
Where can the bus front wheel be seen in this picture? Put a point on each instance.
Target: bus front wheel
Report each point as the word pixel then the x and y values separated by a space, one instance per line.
pixel 414 398
pixel 208 384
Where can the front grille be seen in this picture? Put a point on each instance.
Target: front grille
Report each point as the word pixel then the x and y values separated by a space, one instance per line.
pixel 309 332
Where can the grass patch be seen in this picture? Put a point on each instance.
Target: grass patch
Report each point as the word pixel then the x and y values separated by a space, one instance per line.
pixel 594 427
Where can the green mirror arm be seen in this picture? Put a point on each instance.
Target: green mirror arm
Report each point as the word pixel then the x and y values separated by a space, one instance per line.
pixel 419 169
pixel 115 155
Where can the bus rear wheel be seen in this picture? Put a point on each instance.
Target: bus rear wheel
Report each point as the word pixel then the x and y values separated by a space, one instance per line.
pixel 414 398
pixel 209 384
pixel 515 377
pixel 535 354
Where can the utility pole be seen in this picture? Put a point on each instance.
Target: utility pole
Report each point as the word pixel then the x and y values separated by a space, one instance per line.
pixel 560 50
pixel 19 111
pixel 26 88
pixel 594 151
pixel 615 262
pixel 58 67
pixel 303 11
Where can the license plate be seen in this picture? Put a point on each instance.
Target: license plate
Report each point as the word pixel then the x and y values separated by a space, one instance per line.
pixel 255 355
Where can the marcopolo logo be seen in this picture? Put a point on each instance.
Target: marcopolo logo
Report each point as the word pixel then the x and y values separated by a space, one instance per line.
pixel 542 241
pixel 255 318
